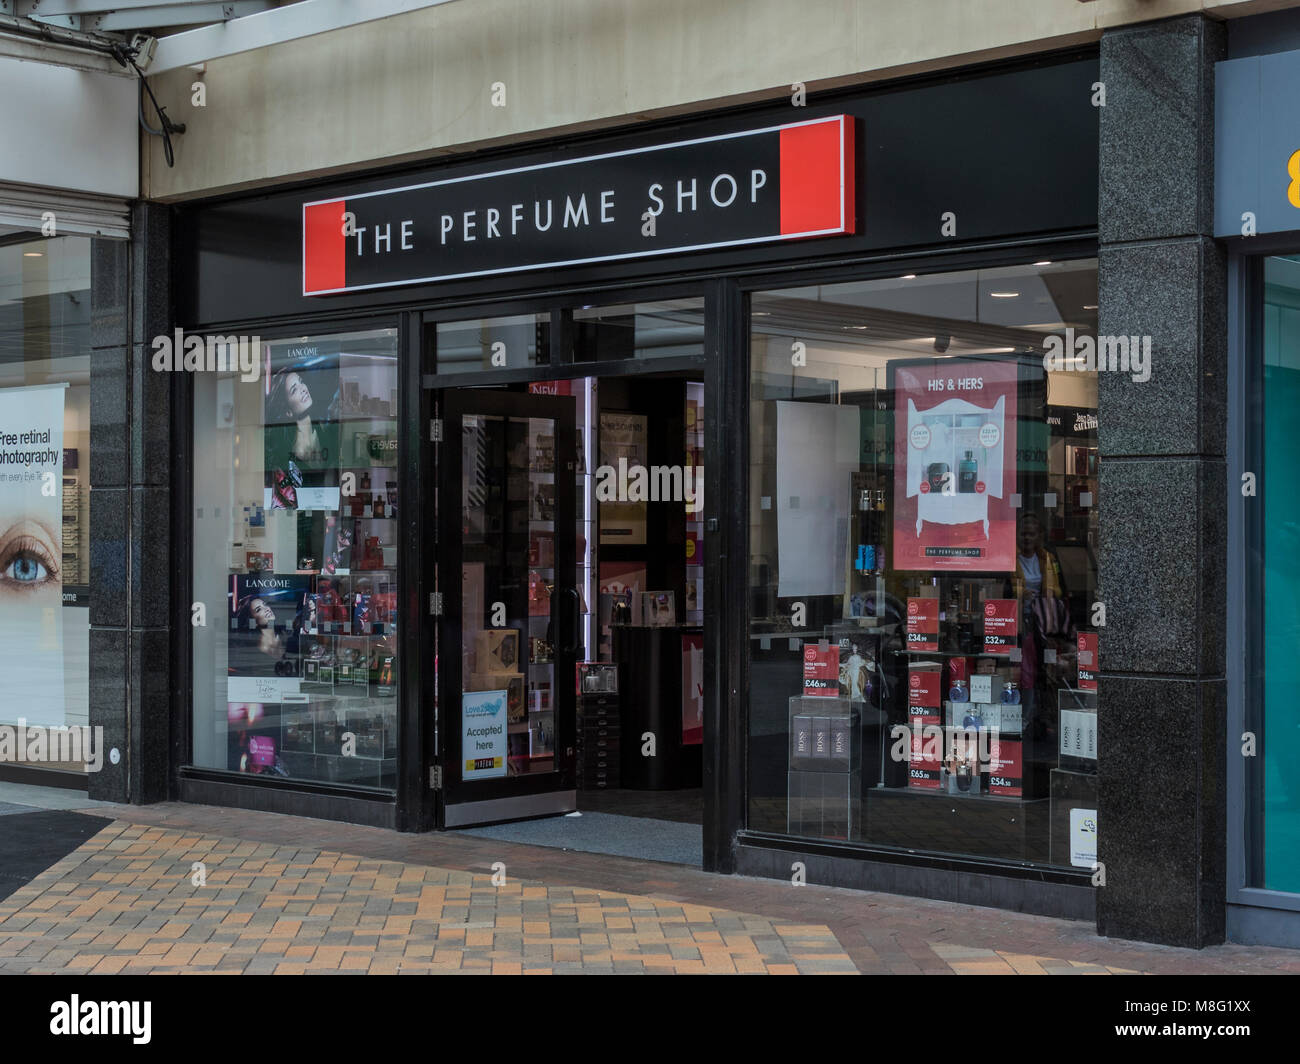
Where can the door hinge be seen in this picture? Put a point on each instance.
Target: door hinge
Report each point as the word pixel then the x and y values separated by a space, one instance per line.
pixel 435 430
pixel 435 603
pixel 435 777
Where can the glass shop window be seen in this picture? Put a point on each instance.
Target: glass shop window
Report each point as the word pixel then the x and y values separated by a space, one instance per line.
pixel 923 533
pixel 295 562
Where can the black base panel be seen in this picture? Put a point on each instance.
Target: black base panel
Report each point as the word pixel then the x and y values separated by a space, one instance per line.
pixel 31 842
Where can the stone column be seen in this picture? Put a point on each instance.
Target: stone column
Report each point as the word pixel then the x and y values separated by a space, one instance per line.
pixel 131 659
pixel 1163 537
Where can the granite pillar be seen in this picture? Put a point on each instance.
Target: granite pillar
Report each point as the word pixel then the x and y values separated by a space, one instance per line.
pixel 131 657
pixel 1163 536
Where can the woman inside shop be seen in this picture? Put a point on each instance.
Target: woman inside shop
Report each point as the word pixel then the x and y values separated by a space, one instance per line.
pixel 1048 632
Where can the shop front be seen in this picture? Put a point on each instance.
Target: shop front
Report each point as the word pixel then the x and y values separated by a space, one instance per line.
pixel 453 558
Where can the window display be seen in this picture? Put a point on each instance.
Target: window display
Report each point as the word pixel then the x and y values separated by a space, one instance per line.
pixel 295 542
pixel 922 532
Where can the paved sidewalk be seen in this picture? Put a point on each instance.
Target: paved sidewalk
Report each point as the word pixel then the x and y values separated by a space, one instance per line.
pixel 292 895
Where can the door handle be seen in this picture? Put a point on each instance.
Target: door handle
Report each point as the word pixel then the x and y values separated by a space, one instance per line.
pixel 576 628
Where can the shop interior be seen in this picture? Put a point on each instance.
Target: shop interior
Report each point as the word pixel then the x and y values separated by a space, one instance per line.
pixel 633 453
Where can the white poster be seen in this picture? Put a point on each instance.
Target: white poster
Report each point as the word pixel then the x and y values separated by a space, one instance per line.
pixel 31 562
pixel 1083 837
pixel 483 734
pixel 816 449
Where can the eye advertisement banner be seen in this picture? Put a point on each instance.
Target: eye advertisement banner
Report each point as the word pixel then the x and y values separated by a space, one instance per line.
pixel 954 465
pixel 31 567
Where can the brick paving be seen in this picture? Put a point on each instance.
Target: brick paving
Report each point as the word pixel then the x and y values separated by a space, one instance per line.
pixel 293 895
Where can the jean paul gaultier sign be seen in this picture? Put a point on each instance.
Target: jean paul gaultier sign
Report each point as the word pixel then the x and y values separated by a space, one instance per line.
pixel 779 183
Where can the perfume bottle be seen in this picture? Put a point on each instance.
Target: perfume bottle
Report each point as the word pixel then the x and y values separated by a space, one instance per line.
pixel 1011 694
pixel 967 474
pixel 958 693
pixel 970 722
pixel 379 505
pixel 963 776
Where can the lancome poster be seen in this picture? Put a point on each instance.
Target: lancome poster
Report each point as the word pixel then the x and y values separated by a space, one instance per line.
pixel 954 465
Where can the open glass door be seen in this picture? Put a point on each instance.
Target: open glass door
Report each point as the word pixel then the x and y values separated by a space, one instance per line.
pixel 511 623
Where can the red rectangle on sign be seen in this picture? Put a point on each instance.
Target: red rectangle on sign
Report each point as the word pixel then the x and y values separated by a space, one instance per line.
pixel 923 624
pixel 817 177
pixel 1088 661
pixel 1001 625
pixel 323 267
pixel 821 671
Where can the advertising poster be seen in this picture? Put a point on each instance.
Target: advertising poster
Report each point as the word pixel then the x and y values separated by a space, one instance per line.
pixel 923 711
pixel 923 624
pixel 483 734
pixel 821 670
pixel 622 438
pixel 31 518
pixel 301 435
pixel 954 465
pixel 1088 663
pixel 1001 625
pixel 267 615
pixel 1006 767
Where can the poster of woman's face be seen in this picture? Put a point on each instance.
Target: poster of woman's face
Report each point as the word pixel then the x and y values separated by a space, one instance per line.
pixel 301 411
pixel 264 614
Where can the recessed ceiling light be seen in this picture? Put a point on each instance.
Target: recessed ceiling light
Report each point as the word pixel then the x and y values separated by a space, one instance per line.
pixel 1090 306
pixel 1004 295
pixel 32 254
pixel 908 277
pixel 1045 262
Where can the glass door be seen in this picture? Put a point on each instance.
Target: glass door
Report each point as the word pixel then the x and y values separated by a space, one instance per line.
pixel 512 614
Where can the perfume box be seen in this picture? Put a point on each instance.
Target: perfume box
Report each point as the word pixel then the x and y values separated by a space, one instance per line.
pixel 368 733
pixel 821 740
pixel 497 650
pixel 800 741
pixel 510 682
pixel 841 744
pixel 996 716
pixel 985 687
pixel 1078 734
pixel 300 735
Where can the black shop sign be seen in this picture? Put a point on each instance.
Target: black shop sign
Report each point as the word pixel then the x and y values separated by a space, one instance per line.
pixel 787 182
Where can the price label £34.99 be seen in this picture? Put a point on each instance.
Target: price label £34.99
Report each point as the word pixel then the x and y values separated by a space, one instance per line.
pixel 923 624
